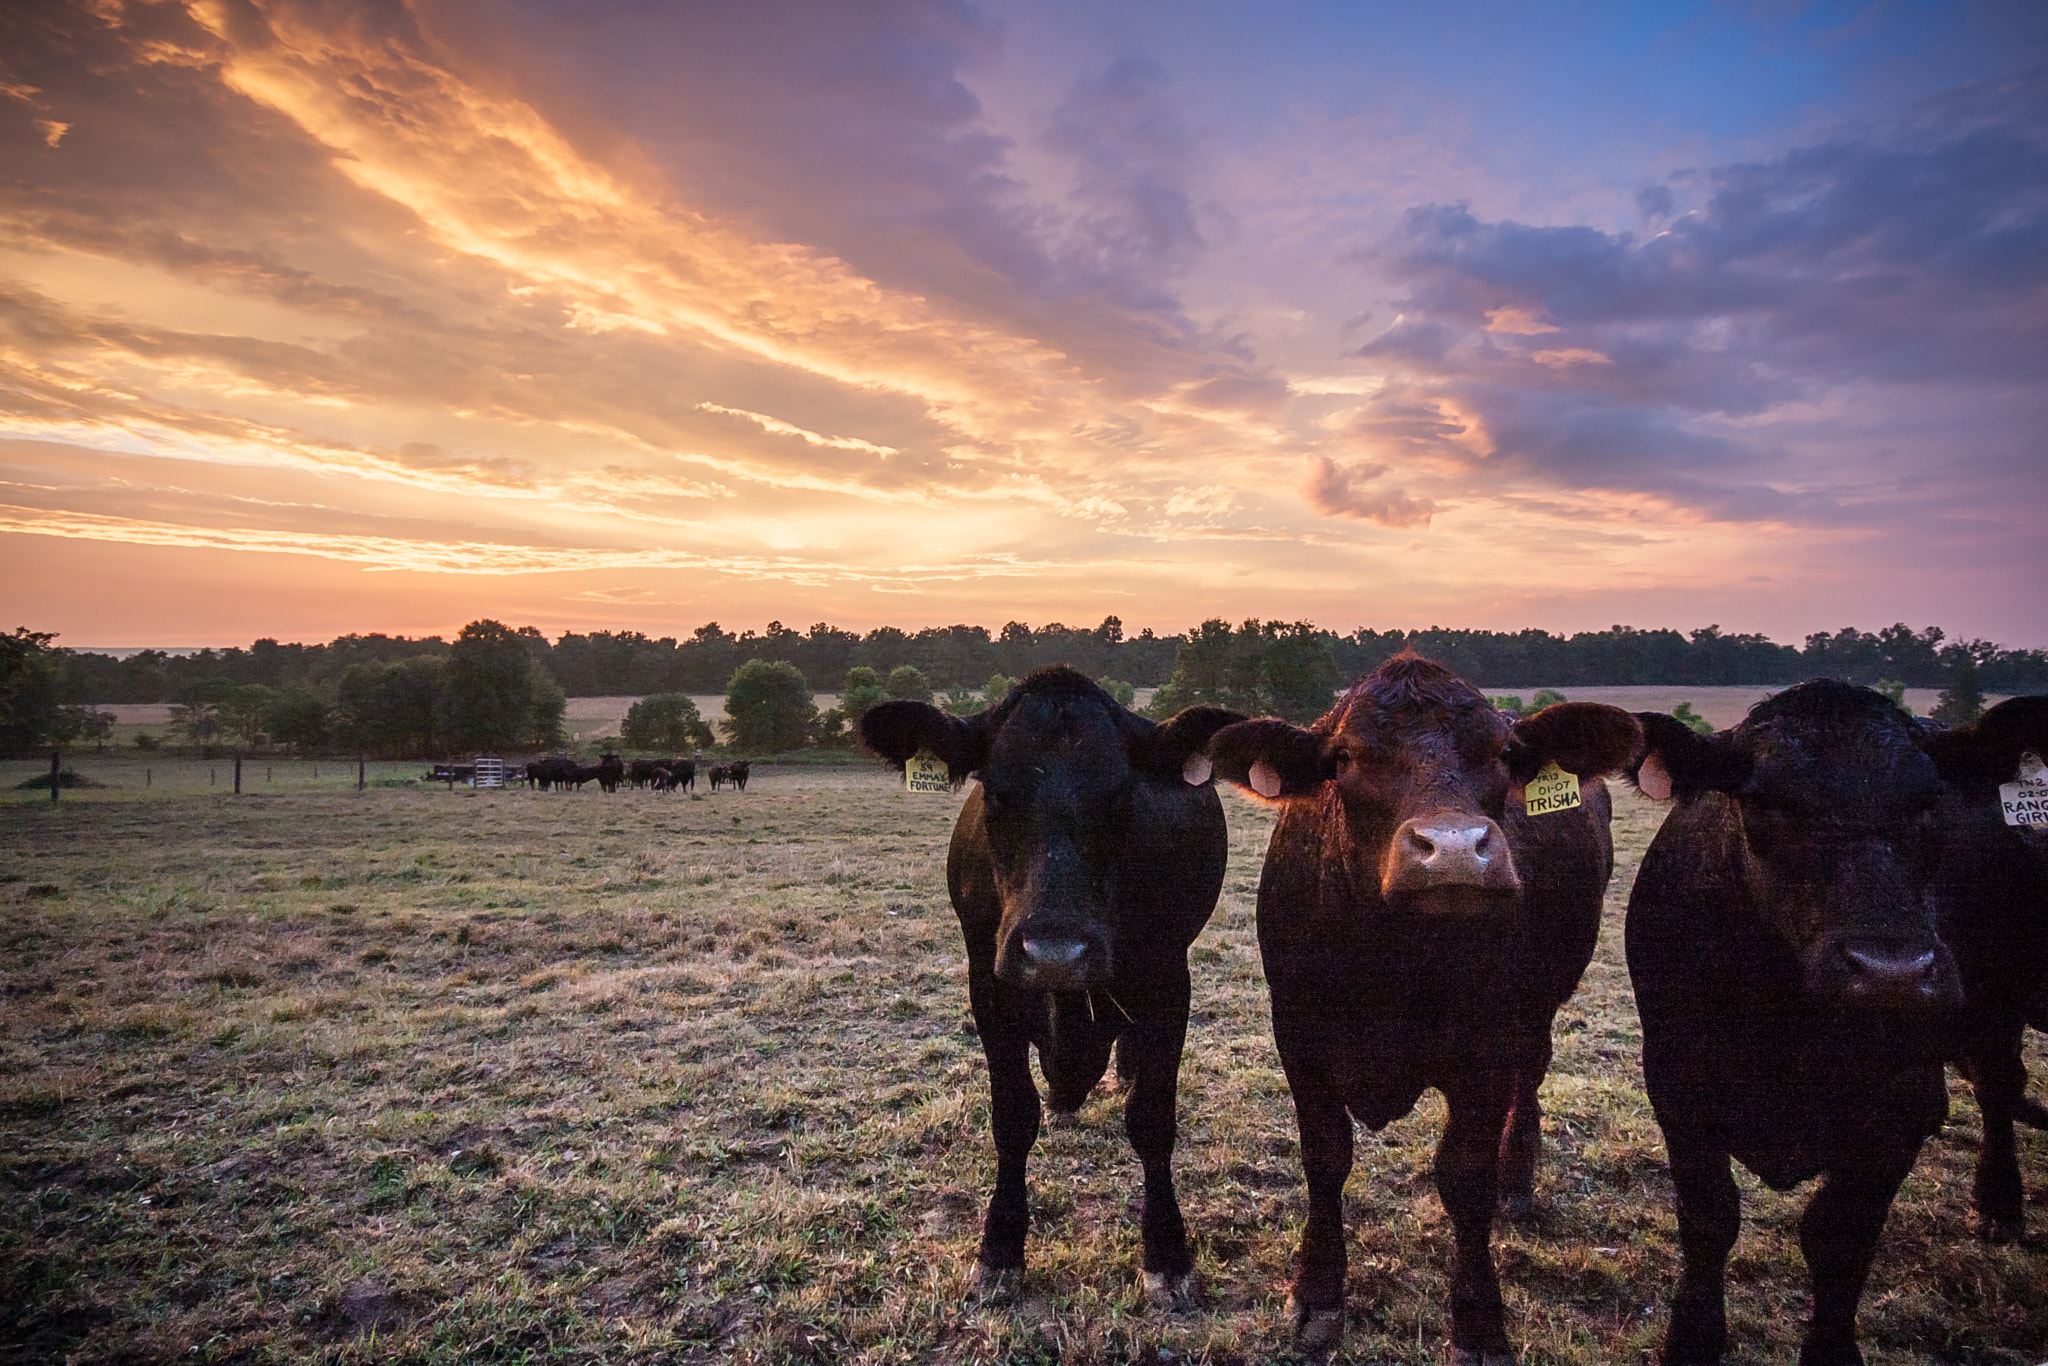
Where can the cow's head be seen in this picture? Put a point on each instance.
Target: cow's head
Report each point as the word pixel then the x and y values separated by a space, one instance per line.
pixel 1415 768
pixel 1833 791
pixel 1059 764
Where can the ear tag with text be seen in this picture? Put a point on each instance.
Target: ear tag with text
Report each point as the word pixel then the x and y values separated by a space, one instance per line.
pixel 2024 800
pixel 1552 789
pixel 927 772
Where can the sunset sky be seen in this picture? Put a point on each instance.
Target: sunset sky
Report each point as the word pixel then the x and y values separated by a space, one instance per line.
pixel 321 316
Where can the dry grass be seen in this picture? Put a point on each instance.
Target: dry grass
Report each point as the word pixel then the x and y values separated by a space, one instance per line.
pixel 420 1076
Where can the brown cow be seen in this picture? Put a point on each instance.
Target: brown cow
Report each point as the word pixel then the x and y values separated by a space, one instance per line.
pixel 1420 928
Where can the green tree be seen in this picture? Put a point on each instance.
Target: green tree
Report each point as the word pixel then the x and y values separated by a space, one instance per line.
pixel 1509 703
pixel 197 720
pixel 28 690
pixel 1962 701
pixel 544 728
pixel 296 716
pixel 863 688
pixel 1123 692
pixel 769 707
pixel 1297 673
pixel 1546 697
pixel 996 689
pixel 488 693
pixel 241 708
pixel 83 723
pixel 392 708
pixel 666 721
pixel 907 683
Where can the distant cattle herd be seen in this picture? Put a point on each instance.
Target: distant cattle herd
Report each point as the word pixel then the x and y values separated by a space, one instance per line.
pixel 1842 901
pixel 611 773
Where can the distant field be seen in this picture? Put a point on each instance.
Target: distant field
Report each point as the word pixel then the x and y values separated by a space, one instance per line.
pixel 419 1076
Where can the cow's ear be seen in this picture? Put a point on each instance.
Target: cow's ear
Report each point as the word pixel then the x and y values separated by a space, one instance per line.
pixel 1180 745
pixel 1987 752
pixel 900 730
pixel 1588 739
pixel 1678 761
pixel 1272 758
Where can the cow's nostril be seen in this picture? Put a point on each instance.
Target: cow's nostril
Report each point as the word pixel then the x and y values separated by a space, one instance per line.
pixel 1422 845
pixel 1053 950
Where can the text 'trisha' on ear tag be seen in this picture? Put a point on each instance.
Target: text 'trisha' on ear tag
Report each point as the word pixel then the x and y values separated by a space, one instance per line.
pixel 927 772
pixel 1551 790
pixel 2024 800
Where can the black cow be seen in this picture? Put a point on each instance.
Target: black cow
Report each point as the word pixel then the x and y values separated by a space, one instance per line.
pixel 682 773
pixel 611 771
pixel 1796 998
pixel 1420 928
pixel 717 774
pixel 1082 867
pixel 535 770
pixel 641 772
pixel 736 773
pixel 1992 891
pixel 553 772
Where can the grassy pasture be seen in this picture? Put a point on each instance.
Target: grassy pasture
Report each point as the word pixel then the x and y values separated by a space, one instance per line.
pixel 411 1075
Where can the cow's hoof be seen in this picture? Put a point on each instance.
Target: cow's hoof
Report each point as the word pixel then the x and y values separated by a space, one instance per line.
pixel 1063 1119
pixel 1990 1228
pixel 997 1282
pixel 1316 1330
pixel 1479 1356
pixel 1164 1290
pixel 1518 1208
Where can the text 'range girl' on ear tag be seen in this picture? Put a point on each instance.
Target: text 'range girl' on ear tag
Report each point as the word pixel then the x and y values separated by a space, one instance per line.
pixel 1551 790
pixel 927 772
pixel 2024 800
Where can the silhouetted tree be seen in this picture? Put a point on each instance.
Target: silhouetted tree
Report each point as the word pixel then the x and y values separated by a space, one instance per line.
pixel 1962 701
pixel 769 707
pixel 666 721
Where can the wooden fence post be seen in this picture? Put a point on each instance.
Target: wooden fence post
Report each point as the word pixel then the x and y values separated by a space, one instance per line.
pixel 55 781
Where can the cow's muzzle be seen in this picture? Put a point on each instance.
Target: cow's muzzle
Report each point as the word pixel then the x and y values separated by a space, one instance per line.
pixel 1913 977
pixel 1447 851
pixel 1059 957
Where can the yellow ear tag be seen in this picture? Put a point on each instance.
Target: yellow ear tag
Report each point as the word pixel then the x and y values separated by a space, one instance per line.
pixel 2024 800
pixel 1552 789
pixel 927 772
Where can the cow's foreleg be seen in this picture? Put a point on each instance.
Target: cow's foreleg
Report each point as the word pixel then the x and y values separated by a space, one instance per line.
pixel 1709 1217
pixel 1153 1042
pixel 1467 1184
pixel 1315 1302
pixel 1013 1105
pixel 1522 1136
pixel 1998 1074
pixel 1838 1233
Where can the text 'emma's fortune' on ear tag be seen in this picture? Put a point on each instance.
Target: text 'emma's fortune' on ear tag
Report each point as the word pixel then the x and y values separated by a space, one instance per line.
pixel 927 772
pixel 1552 789
pixel 2024 800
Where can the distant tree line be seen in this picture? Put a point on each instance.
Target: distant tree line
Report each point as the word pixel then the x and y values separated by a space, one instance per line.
pixel 483 692
pixel 611 663
pixel 495 687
